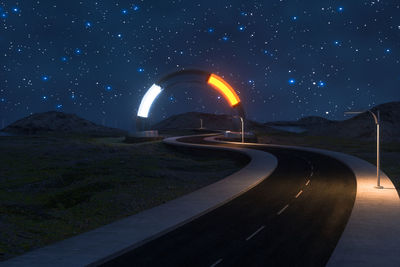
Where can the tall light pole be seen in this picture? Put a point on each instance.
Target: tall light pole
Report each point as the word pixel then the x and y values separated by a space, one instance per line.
pixel 377 120
pixel 241 119
pixel 242 123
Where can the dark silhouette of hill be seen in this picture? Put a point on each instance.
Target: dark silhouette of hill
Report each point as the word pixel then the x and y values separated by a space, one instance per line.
pixel 59 123
pixel 362 126
pixel 311 120
pixel 303 122
pixel 191 120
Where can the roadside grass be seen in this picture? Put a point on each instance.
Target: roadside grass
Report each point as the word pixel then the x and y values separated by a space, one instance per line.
pixel 390 152
pixel 52 187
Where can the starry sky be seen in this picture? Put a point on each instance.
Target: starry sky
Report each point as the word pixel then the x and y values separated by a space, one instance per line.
pixel 286 59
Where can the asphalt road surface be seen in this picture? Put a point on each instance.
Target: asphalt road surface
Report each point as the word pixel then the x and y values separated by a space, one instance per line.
pixel 293 218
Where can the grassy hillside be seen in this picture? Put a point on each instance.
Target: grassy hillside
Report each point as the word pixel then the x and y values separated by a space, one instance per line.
pixel 52 188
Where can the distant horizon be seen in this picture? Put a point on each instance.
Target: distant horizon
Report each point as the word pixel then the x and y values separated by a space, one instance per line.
pixel 159 120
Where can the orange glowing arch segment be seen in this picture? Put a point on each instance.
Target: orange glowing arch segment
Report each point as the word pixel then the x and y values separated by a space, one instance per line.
pixel 223 87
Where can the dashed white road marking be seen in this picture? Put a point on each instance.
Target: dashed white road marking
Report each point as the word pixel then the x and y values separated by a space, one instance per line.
pixel 298 194
pixel 312 173
pixel 256 232
pixel 216 263
pixel 308 182
pixel 283 209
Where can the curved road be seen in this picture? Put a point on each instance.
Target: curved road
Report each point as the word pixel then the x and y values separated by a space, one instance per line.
pixel 295 217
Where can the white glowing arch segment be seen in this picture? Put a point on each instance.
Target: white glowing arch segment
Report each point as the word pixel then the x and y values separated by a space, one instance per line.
pixel 148 100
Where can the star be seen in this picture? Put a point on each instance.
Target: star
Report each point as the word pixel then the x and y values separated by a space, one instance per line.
pixel 52 55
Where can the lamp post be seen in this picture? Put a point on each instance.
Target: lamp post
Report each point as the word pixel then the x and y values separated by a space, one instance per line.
pixel 377 120
pixel 242 123
pixel 241 119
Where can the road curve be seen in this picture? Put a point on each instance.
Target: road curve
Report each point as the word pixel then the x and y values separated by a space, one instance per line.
pixel 293 218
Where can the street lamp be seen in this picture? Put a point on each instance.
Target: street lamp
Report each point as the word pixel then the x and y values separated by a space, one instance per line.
pixel 241 119
pixel 377 122
pixel 242 122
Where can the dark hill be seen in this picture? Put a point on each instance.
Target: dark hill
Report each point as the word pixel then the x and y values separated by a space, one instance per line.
pixel 311 120
pixel 303 122
pixel 191 120
pixel 363 126
pixel 59 123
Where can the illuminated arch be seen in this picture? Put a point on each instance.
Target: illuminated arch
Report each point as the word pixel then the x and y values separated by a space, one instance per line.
pixel 224 88
pixel 215 81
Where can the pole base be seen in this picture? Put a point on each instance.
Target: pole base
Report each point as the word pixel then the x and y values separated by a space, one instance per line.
pixel 378 187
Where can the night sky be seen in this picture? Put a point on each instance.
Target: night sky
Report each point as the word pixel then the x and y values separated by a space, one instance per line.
pixel 286 59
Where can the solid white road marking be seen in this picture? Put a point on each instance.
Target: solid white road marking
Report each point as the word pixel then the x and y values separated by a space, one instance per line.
pixel 283 209
pixel 216 263
pixel 308 182
pixel 256 232
pixel 299 193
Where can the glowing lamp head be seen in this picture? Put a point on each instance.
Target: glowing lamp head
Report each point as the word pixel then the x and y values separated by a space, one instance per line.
pixel 148 100
pixel 223 87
